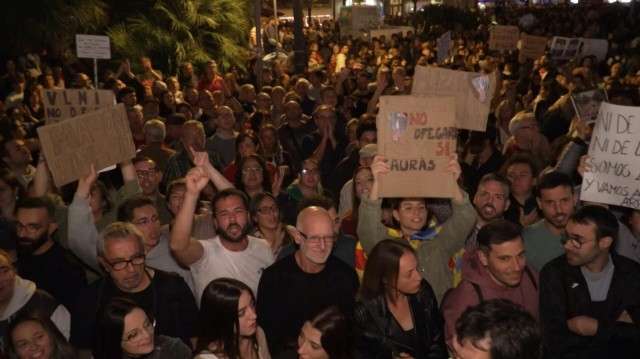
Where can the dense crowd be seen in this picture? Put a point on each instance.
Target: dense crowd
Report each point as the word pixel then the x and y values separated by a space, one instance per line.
pixel 250 223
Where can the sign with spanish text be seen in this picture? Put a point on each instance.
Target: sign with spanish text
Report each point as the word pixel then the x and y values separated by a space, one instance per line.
pixel 417 136
pixel 473 92
pixel 100 137
pixel 614 156
pixel 93 46
pixel 503 38
pixel 60 104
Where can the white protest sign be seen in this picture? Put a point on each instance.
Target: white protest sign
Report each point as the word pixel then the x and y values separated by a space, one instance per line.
pixel 595 47
pixel 444 46
pixel 93 46
pixel 614 177
pixel 61 104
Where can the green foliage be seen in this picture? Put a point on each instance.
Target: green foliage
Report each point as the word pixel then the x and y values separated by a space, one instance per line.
pixel 446 16
pixel 174 31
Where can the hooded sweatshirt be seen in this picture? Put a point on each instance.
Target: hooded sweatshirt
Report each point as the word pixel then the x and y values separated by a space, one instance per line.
pixel 465 295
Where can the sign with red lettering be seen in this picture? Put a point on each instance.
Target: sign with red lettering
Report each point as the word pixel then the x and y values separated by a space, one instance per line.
pixel 417 135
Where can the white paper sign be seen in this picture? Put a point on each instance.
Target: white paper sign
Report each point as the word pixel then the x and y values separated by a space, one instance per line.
pixel 444 46
pixel 614 177
pixel 93 46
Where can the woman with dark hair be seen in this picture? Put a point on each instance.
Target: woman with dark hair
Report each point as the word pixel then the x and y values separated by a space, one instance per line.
pixel 267 221
pixel 247 143
pixel 362 182
pixel 228 323
pixel 328 335
pixel 32 334
pixel 397 311
pixel 127 331
pixel 167 104
pixel 275 154
pixel 253 176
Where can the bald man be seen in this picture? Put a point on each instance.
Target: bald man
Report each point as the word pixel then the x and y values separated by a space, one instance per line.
pixel 301 284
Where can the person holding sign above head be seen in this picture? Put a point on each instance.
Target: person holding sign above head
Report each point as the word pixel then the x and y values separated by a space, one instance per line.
pixel 434 244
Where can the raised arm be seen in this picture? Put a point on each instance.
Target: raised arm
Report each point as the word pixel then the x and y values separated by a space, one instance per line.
pixel 82 233
pixel 370 229
pixel 201 159
pixel 185 248
pixel 41 179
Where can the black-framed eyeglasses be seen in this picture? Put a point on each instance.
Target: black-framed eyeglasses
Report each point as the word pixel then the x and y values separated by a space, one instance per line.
pixel 267 209
pixel 136 260
pixel 144 174
pixel 136 334
pixel 318 239
pixel 575 240
pixel 31 228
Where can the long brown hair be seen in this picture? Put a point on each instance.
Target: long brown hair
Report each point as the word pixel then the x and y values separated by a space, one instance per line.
pixel 381 270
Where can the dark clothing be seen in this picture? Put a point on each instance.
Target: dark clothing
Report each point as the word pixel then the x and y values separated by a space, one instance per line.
pixel 291 139
pixel 360 102
pixel 382 336
pixel 168 298
pixel 512 214
pixel 288 296
pixel 55 271
pixel 344 170
pixel 472 173
pixel 330 159
pixel 308 105
pixel 564 294
pixel 165 348
pixel 345 249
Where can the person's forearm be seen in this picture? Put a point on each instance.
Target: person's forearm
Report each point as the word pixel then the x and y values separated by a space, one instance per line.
pixel 181 230
pixel 318 154
pixel 218 180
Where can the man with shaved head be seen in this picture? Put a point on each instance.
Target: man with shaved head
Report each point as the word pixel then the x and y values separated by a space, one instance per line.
pixel 304 282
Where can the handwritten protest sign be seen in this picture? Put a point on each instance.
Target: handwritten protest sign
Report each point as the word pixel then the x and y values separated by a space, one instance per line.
pixel 532 47
pixel 444 46
pixel 587 103
pixel 101 137
pixel 62 104
pixel 503 38
pixel 473 92
pixel 614 151
pixel 417 134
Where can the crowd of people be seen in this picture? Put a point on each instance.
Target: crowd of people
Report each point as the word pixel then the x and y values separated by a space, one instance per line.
pixel 250 223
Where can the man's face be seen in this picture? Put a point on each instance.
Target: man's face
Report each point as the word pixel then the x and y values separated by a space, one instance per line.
pixel 557 204
pixel 325 117
pixel 315 226
pixel 129 279
pixel 368 137
pixel 225 119
pixel 175 199
pixel 521 179
pixel 191 96
pixel 7 278
pixel 490 201
pixel 505 262
pixel 292 110
pixel 129 99
pixel 232 219
pixel 33 229
pixel 148 177
pixel 135 120
pixel 192 137
pixel 411 214
pixel 17 153
pixel 330 98
pixel 466 349
pixel 301 88
pixel 584 236
pixel 146 219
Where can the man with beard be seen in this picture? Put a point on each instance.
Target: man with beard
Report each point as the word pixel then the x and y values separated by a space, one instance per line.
pixel 304 282
pixel 556 199
pixel 232 253
pixel 41 260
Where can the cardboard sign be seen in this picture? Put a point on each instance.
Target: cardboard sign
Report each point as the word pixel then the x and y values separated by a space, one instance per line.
pixel 532 47
pixel 595 47
pixel 444 46
pixel 65 103
pixel 587 103
pixel 101 137
pixel 473 92
pixel 614 150
pixel 417 134
pixel 93 46
pixel 504 38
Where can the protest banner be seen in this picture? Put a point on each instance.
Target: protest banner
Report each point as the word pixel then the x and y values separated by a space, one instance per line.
pixel 595 47
pixel 417 135
pixel 444 46
pixel 532 47
pixel 61 104
pixel 101 137
pixel 614 156
pixel 473 92
pixel 503 38
pixel 587 103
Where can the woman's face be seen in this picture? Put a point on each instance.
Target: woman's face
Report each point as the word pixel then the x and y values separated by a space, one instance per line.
pixel 411 214
pixel 246 147
pixel 269 141
pixel 247 318
pixel 310 344
pixel 268 215
pixel 252 175
pixel 168 99
pixel 31 341
pixel 96 202
pixel 309 175
pixel 175 199
pixel 408 281
pixel 7 194
pixel 137 336
pixel 362 182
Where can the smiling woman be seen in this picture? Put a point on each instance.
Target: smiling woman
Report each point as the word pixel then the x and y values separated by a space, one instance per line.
pixel 33 335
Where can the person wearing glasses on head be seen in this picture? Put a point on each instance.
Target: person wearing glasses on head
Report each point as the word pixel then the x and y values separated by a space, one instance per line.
pixel 307 185
pixel 303 283
pixel 267 221
pixel 128 331
pixel 164 295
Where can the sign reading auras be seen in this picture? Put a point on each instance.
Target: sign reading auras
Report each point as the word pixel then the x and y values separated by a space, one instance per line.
pixel 101 137
pixel 61 104
pixel 93 46
pixel 614 156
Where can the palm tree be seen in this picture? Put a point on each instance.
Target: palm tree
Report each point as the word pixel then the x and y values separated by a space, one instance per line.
pixel 174 31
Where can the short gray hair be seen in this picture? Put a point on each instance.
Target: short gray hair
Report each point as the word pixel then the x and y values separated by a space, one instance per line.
pixel 155 130
pixel 517 120
pixel 118 231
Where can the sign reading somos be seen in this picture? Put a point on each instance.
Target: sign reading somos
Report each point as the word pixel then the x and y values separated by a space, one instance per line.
pixel 62 104
pixel 614 150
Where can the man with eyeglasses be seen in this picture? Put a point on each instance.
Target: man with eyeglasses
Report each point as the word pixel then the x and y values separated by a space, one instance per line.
pixel 42 260
pixel 223 141
pixel 301 284
pixel 590 295
pixel 150 177
pixel 121 251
